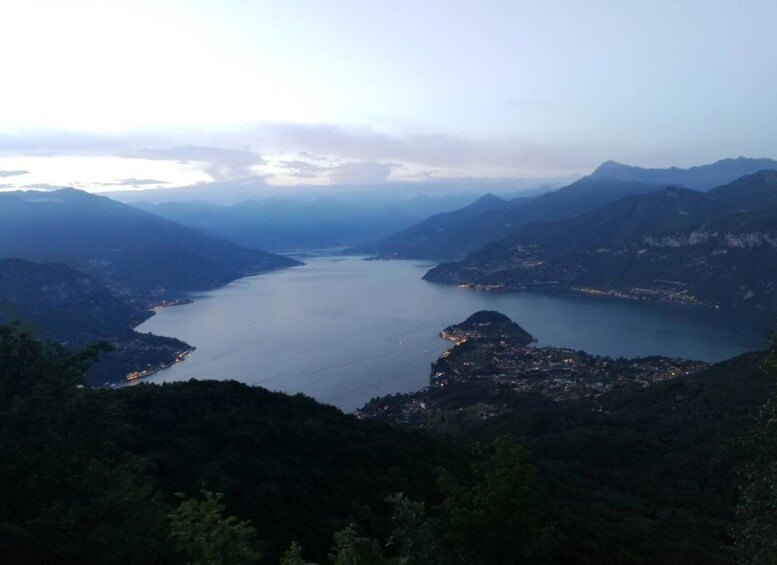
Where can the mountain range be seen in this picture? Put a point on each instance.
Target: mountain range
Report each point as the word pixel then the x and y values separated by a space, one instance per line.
pixel 283 224
pixel 702 177
pixel 453 235
pixel 718 247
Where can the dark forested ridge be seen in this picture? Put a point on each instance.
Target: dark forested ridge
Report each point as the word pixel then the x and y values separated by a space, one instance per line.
pixel 676 244
pixel 122 245
pixel 90 476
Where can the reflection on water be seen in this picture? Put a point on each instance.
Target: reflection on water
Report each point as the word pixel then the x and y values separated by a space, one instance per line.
pixel 344 330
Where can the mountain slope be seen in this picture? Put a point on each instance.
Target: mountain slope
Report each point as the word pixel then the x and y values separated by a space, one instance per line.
pixel 433 236
pixel 59 303
pixel 675 244
pixel 64 303
pixel 458 233
pixel 120 244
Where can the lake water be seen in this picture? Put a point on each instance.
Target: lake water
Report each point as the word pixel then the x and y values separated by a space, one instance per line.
pixel 344 330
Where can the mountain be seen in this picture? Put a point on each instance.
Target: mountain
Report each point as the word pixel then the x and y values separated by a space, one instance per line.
pixel 59 303
pixel 433 236
pixel 749 193
pixel 464 233
pixel 121 245
pixel 703 177
pixel 455 234
pixel 283 224
pixel 676 244
pixel 64 303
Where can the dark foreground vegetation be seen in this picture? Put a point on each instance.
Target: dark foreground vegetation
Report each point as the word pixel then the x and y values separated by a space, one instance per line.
pixel 656 475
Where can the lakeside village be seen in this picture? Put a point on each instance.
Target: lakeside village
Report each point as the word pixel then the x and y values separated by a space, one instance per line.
pixel 665 293
pixel 493 360
pixel 178 358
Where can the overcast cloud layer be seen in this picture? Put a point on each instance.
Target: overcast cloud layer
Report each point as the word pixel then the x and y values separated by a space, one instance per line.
pixel 349 92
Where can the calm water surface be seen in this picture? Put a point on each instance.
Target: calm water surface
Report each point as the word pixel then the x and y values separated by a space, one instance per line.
pixel 344 330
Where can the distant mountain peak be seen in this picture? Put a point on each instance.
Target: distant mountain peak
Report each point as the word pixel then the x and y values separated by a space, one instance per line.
pixel 701 177
pixel 608 167
pixel 489 198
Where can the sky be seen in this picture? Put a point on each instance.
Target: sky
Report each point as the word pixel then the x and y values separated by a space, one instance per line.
pixel 117 94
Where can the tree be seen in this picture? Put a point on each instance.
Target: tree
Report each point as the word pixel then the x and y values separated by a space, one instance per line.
pixel 352 549
pixel 201 533
pixel 67 494
pixel 293 556
pixel 500 519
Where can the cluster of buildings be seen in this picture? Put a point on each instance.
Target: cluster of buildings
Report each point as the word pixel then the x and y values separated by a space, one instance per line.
pixel 499 366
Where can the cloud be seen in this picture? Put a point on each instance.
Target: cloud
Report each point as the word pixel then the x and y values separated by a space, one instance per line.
pixel 510 155
pixel 4 174
pixel 42 186
pixel 218 162
pixel 352 172
pixel 135 182
pixel 309 155
pixel 361 173
pixel 213 151
pixel 303 169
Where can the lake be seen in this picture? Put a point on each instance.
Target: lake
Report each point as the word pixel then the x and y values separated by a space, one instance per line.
pixel 344 330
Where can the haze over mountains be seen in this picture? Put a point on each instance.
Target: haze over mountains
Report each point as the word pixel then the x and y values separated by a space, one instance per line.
pixel 453 235
pixel 121 245
pixel 287 219
pixel 283 224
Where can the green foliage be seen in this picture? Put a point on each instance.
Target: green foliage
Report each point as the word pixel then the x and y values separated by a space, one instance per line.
pixel 87 475
pixel 293 556
pixel 68 494
pixel 496 518
pixel 413 533
pixel 756 532
pixel 352 549
pixel 201 533
pixel 299 470
pixel 499 520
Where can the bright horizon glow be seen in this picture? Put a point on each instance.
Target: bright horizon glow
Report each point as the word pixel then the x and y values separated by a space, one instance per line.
pixel 496 89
